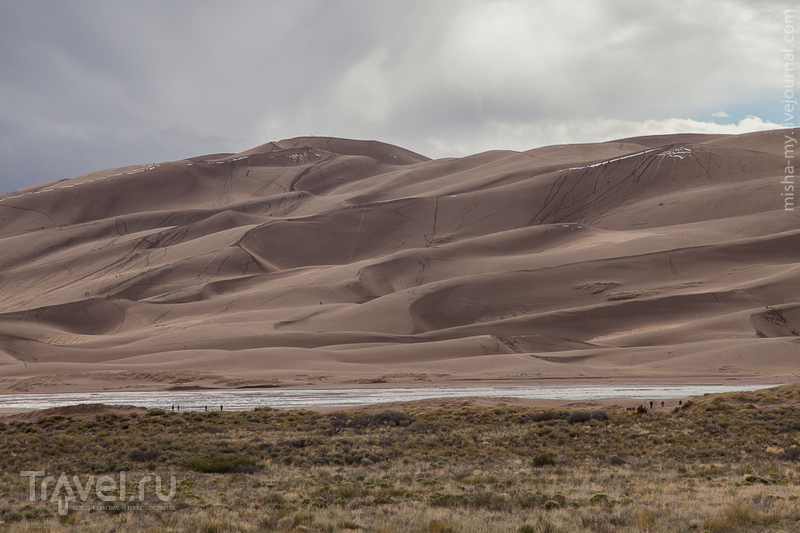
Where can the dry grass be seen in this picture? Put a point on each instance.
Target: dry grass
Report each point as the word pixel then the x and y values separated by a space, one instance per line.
pixel 723 463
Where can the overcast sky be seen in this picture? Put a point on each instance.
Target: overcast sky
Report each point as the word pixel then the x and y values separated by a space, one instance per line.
pixel 89 85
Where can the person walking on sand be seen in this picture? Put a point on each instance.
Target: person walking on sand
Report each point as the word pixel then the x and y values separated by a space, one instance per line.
pixel 651 404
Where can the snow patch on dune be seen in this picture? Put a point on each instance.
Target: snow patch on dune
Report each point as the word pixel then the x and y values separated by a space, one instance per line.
pixel 614 160
pixel 143 168
pixel 678 153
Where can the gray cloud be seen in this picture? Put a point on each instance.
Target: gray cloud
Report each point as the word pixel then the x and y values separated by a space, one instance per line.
pixel 88 85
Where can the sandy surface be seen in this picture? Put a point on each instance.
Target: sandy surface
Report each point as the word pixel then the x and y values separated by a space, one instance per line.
pixel 775 396
pixel 328 262
pixel 90 410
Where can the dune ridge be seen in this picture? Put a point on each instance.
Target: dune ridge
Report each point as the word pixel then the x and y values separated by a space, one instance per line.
pixel 329 260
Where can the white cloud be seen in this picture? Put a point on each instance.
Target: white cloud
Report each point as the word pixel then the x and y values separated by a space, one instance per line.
pixel 536 134
pixel 365 90
pixel 720 114
pixel 518 74
pixel 93 84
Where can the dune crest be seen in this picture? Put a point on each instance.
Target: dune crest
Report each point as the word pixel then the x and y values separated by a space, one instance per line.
pixel 667 257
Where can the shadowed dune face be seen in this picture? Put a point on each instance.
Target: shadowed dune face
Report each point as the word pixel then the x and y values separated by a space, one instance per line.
pixel 661 256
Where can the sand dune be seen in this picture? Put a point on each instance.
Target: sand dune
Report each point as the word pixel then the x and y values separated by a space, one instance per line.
pixel 667 257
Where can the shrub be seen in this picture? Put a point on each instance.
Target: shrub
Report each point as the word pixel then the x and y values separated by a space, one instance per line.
pixel 536 499
pixel 244 468
pixel 367 420
pixel 487 500
pixel 792 454
pixel 585 416
pixel 544 416
pixel 544 459
pixel 144 455
pixel 446 500
pixel 219 464
pixel 295 443
pixel 424 428
pixel 718 406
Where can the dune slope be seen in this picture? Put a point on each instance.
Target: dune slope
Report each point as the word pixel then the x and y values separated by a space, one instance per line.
pixel 338 261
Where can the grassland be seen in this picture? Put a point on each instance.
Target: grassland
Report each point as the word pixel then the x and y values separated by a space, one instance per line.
pixel 720 464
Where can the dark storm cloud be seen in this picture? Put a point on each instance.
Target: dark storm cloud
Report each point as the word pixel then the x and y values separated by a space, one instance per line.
pixel 88 85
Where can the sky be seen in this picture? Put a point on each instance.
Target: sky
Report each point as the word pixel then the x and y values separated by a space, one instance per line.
pixel 87 85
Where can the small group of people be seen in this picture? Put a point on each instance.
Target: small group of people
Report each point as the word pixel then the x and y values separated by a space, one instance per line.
pixel 680 402
pixel 179 407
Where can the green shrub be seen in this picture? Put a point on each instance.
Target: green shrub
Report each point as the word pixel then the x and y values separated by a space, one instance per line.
pixel 718 406
pixel 144 455
pixel 585 416
pixel 544 416
pixel 368 420
pixel 219 464
pixel 544 459
pixel 599 499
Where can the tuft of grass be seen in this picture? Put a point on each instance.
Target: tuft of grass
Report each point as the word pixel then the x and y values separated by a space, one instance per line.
pixel 742 514
pixel 213 526
pixel 441 526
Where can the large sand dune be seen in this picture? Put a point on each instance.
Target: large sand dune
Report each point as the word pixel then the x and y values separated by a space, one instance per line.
pixel 336 261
